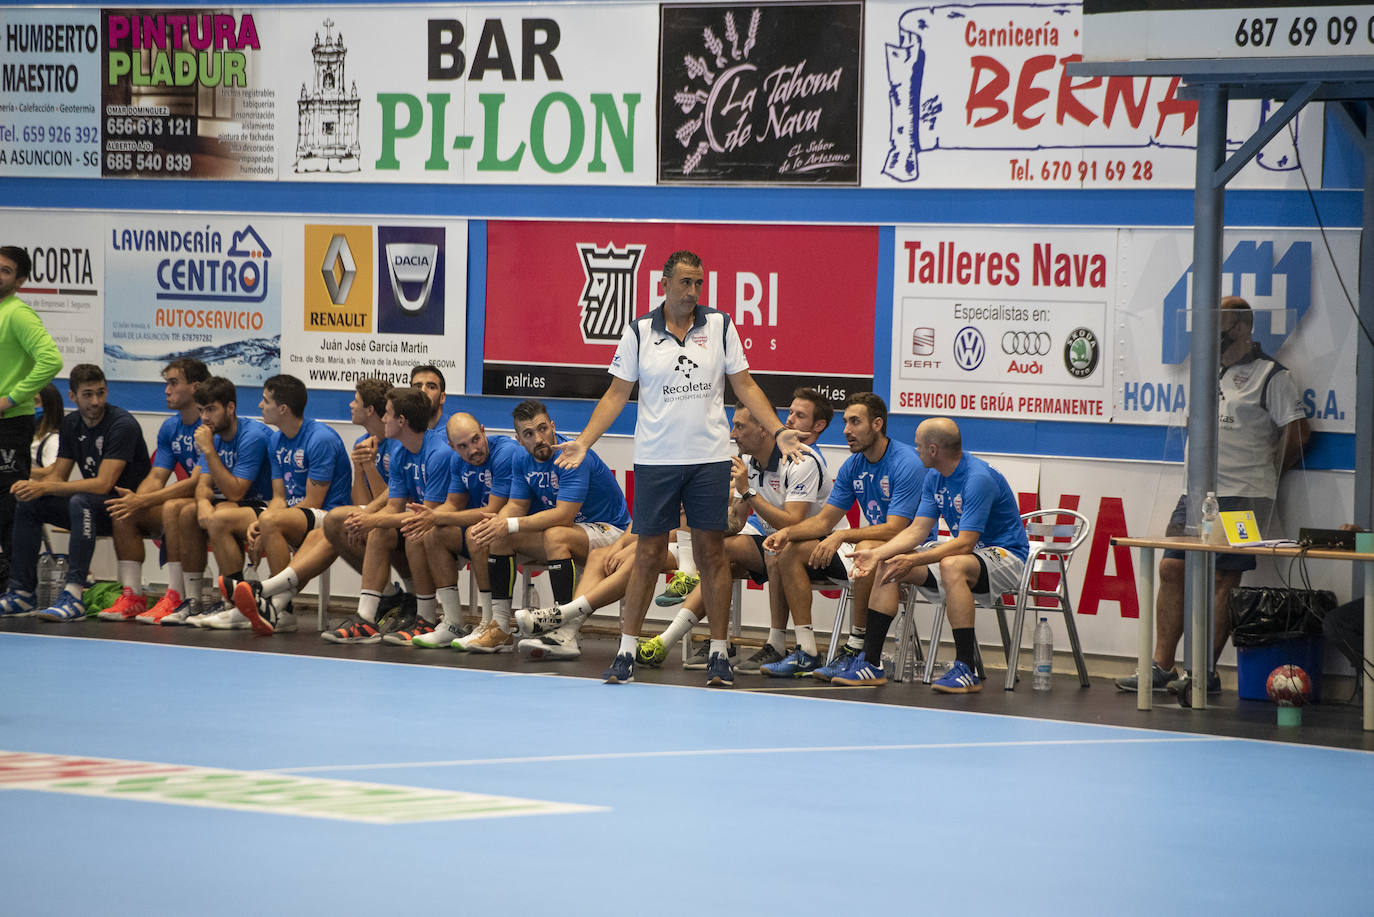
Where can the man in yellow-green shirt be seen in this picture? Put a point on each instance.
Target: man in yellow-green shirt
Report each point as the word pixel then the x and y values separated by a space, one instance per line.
pixel 28 361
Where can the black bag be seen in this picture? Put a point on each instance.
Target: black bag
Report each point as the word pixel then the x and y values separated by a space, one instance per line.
pixel 1265 615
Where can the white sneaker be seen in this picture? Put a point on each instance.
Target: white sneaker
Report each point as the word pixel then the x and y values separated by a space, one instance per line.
pixel 461 643
pixel 442 636
pixel 179 616
pixel 203 619
pixel 533 622
pixel 560 643
pixel 285 623
pixel 230 619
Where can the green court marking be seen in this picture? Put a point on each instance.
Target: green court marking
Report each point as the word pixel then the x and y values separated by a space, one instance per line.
pixel 312 797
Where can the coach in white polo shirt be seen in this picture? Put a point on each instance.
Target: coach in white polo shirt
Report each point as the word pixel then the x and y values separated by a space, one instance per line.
pixel 680 354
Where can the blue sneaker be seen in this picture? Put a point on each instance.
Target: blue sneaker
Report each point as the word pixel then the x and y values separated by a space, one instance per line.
pixel 860 673
pixel 958 680
pixel 16 604
pixel 622 670
pixel 796 664
pixel 827 672
pixel 67 608
pixel 718 672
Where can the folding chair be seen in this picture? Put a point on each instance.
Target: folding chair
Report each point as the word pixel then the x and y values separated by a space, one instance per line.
pixel 908 640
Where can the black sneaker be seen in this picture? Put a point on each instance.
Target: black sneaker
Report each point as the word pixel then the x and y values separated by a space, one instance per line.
pixel 396 612
pixel 248 599
pixel 755 663
pixel 700 656
pixel 1159 680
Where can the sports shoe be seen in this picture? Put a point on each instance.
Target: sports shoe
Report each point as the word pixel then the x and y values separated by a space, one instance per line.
pixel 285 621
pixel 226 585
pixel 165 606
pixel 960 679
pixel 129 605
pixel 559 643
pixel 796 664
pixel 491 640
pixel 827 672
pixel 229 619
pixel 354 630
pixel 251 603
pixel 394 624
pixel 16 604
pixel 755 663
pixel 203 618
pixel 1159 679
pixel 718 671
pixel 533 622
pixel 406 635
pixel 460 645
pixel 701 656
pixel 622 670
pixel 651 653
pixel 1182 684
pixel 393 610
pixel 179 615
pixel 860 673
pixel 439 637
pixel 67 608
pixel 678 587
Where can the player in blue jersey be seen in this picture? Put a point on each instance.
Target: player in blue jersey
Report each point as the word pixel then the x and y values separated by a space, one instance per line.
pixel 478 484
pixel 159 499
pixel 984 557
pixel 105 445
pixel 554 516
pixel 430 380
pixel 884 477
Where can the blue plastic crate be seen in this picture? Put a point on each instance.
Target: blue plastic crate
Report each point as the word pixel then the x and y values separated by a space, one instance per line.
pixel 1254 663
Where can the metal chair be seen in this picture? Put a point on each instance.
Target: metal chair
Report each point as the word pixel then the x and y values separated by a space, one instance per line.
pixel 908 651
pixel 1052 544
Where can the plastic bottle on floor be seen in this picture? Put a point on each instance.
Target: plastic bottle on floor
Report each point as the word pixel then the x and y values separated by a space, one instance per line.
pixel 1044 656
pixel 43 587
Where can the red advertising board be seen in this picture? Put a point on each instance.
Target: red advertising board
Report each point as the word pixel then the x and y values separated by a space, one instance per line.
pixel 560 294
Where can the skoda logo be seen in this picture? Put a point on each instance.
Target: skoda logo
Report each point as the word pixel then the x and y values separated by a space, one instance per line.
pixel 969 348
pixel 1081 353
pixel 1026 343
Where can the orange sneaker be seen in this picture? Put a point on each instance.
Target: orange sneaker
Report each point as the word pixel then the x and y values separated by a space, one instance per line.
pixel 128 606
pixel 165 606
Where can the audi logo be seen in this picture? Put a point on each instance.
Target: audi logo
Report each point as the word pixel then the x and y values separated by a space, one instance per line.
pixel 1026 343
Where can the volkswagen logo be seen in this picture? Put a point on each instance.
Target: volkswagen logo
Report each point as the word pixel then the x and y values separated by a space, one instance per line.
pixel 969 348
pixel 1026 343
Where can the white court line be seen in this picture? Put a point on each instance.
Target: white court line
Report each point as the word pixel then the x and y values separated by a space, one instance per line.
pixel 721 752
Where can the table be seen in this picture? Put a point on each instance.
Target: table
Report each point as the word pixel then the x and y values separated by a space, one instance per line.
pixel 1147 548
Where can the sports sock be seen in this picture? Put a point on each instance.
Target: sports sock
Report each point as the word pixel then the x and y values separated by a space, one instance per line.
pixel 806 639
pixel 686 561
pixel 285 581
pixel 878 623
pixel 562 579
pixel 965 646
pixel 500 614
pixel 721 647
pixel 131 575
pixel 281 601
pixel 175 579
pixel 451 604
pixel 195 585
pixel 682 622
pixel 777 638
pixel 856 639
pixel 74 589
pixel 427 608
pixel 578 607
pixel 484 601
pixel 627 645
pixel 501 568
pixel 367 605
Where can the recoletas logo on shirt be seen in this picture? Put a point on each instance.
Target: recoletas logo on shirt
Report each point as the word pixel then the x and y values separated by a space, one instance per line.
pixel 338 279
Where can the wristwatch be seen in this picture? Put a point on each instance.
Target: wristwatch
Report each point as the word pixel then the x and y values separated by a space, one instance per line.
pixel 751 492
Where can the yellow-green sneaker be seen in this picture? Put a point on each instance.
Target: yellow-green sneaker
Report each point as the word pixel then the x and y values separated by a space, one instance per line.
pixel 678 588
pixel 651 653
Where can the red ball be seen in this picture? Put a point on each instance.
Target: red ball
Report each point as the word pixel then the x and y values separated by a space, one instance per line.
pixel 1289 686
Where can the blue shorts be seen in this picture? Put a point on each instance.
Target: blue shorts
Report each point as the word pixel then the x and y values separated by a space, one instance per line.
pixel 1232 562
pixel 703 491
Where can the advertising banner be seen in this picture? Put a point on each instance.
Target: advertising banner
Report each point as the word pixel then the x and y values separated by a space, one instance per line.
pixel 50 92
pixel 493 93
pixel 1301 317
pixel 553 331
pixel 66 286
pixel 208 287
pixel 1009 323
pixel 188 93
pixel 976 95
pixel 375 300
pixel 760 93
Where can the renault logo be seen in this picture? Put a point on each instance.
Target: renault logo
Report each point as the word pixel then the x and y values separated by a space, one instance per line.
pixel 338 269
pixel 1026 343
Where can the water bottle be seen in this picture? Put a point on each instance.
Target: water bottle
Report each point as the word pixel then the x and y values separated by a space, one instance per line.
pixel 1208 523
pixel 1044 656
pixel 59 575
pixel 44 586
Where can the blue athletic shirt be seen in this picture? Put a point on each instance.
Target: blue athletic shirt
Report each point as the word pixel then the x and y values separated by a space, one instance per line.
pixel 315 453
pixel 176 444
pixel 246 458
pixel 978 499
pixel 490 479
pixel 591 484
pixel 890 486
pixel 423 475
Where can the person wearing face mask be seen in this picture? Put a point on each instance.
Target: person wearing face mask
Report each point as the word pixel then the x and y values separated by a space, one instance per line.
pixel 1261 430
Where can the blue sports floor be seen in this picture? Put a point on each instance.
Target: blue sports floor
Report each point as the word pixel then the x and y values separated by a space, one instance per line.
pixel 668 799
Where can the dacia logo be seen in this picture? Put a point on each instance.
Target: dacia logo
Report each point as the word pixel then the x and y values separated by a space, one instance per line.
pixel 1282 287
